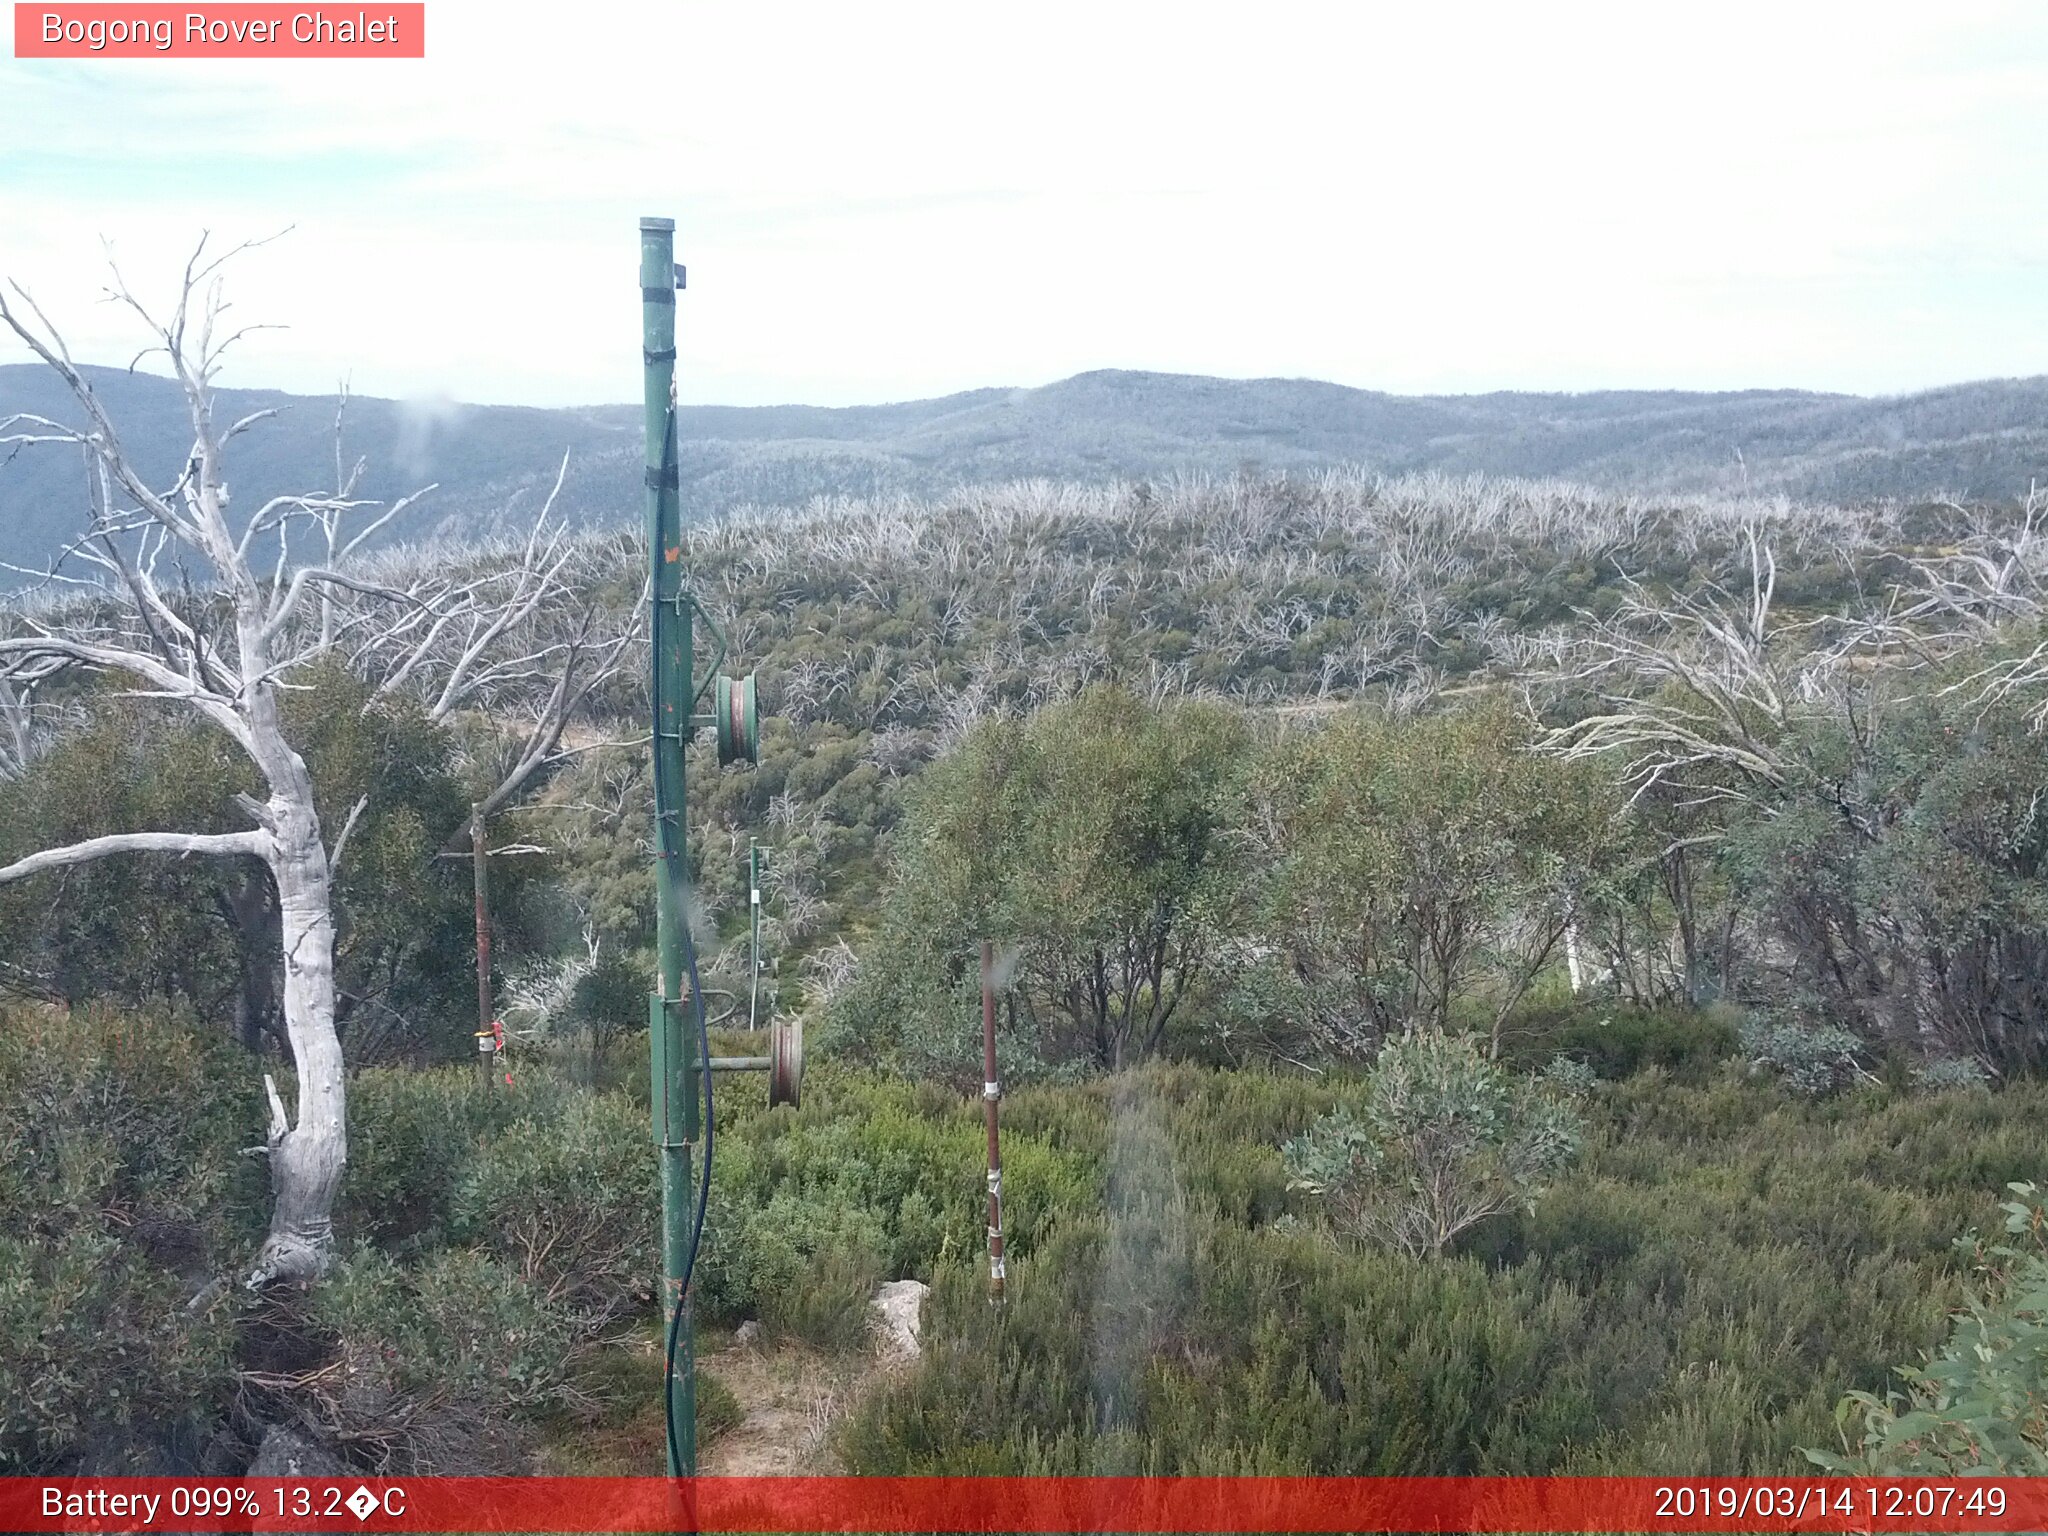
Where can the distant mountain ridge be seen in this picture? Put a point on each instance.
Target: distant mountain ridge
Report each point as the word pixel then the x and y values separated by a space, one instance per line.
pixel 1980 440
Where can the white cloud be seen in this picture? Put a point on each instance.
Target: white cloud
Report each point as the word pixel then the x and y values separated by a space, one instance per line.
pixel 898 199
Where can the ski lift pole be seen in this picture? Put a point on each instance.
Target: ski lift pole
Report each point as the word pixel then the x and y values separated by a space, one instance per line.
pixel 672 1046
pixel 677 1032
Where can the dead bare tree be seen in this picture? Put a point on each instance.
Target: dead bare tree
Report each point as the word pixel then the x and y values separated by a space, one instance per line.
pixel 225 648
pixel 17 728
pixel 1699 691
pixel 1990 589
pixel 231 677
pixel 511 634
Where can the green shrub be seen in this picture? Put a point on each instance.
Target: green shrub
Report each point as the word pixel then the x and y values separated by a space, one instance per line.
pixel 871 1165
pixel 1980 1405
pixel 717 1409
pixel 411 1134
pixel 437 1366
pixel 1810 1060
pixel 572 1203
pixel 1946 1074
pixel 1692 1296
pixel 1444 1139
pixel 1616 1040
pixel 827 1306
pixel 121 1196
pixel 97 1354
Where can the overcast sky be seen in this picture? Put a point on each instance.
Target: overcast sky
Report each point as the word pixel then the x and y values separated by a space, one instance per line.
pixel 883 201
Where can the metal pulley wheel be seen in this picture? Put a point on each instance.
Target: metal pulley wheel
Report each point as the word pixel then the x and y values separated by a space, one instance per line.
pixel 785 1062
pixel 739 720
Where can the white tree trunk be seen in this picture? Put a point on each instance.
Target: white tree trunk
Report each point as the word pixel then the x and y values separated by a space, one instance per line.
pixel 306 1159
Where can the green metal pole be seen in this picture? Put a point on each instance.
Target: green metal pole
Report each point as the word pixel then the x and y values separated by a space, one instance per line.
pixel 672 1042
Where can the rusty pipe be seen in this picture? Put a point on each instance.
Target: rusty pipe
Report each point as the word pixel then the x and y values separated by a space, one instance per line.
pixel 991 1096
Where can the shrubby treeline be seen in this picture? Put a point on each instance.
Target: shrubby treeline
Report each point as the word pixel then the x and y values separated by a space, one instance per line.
pixel 1181 873
pixel 885 632
pixel 1690 942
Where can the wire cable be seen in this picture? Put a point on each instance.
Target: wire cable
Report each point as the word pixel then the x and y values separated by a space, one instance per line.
pixel 675 1323
pixel 668 817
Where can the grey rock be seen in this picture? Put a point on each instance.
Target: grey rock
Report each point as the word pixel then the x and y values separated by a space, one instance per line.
pixel 899 1313
pixel 287 1453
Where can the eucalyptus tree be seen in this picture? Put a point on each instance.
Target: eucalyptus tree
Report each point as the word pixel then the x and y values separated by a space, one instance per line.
pixel 1093 837
pixel 1858 789
pixel 174 606
pixel 1421 872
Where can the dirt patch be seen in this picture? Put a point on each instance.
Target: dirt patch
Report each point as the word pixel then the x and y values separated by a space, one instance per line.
pixel 792 1398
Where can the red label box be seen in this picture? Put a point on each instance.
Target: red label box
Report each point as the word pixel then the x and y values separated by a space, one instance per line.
pixel 373 30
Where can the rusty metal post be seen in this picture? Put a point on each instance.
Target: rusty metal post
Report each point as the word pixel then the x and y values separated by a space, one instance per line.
pixel 486 1046
pixel 991 1095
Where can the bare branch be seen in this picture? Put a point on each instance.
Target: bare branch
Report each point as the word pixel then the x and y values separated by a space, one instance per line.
pixel 184 844
pixel 341 842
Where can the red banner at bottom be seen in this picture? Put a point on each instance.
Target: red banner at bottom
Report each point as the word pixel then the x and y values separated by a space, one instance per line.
pixel 1022 1504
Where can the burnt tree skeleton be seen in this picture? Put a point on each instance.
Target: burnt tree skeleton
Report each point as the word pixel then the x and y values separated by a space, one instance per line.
pixel 227 655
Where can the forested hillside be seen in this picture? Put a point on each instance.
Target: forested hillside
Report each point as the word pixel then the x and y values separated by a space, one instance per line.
pixel 1658 877
pixel 1982 440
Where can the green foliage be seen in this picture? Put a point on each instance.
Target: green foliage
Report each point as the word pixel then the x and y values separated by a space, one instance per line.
pixel 1691 1297
pixel 1945 1074
pixel 405 926
pixel 868 1179
pixel 202 934
pixel 138 927
pixel 611 997
pixel 717 1409
pixel 1444 1139
pixel 1902 871
pixel 437 1360
pixel 1979 1406
pixel 1617 1040
pixel 120 1196
pixel 572 1204
pixel 828 1305
pixel 1091 838
pixel 1722 1262
pixel 412 1135
pixel 1810 1060
pixel 1420 870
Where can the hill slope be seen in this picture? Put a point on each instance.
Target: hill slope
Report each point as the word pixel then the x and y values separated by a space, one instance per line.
pixel 1975 440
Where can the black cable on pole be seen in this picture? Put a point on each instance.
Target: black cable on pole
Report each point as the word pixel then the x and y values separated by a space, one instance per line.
pixel 668 818
pixel 675 1322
